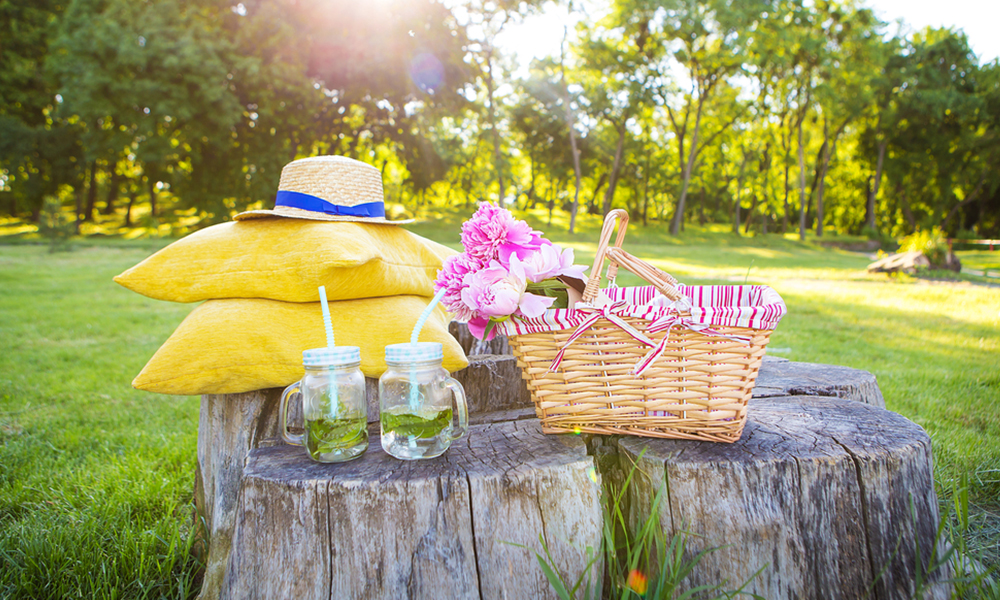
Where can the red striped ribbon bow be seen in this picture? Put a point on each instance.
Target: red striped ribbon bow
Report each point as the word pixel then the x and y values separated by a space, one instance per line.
pixel 661 323
pixel 667 322
pixel 596 313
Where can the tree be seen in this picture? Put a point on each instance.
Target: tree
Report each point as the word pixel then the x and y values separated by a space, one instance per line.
pixel 708 41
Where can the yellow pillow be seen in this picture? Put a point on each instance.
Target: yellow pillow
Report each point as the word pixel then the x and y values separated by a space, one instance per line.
pixel 288 259
pixel 238 345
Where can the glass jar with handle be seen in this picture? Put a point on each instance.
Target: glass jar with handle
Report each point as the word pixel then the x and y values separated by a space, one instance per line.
pixel 418 402
pixel 334 408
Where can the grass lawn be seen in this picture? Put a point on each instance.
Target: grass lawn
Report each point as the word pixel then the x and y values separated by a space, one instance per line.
pixel 96 478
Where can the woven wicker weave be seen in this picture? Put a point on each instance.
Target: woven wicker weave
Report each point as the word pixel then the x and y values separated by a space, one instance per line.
pixel 698 389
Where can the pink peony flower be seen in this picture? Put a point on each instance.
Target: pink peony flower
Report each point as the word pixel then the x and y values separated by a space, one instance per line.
pixel 477 327
pixel 497 293
pixel 550 261
pixel 451 277
pixel 494 234
pixel 494 291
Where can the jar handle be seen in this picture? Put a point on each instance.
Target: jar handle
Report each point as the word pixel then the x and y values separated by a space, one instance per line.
pixel 295 440
pixel 463 410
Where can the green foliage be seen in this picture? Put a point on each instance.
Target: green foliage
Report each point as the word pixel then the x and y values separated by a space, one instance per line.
pixel 885 240
pixel 54 226
pixel 932 242
pixel 210 100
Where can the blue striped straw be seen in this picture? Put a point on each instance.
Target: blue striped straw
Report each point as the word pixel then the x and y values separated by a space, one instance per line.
pixel 425 315
pixel 414 395
pixel 328 324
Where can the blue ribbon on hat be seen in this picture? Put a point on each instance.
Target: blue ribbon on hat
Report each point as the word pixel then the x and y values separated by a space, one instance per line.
pixel 317 204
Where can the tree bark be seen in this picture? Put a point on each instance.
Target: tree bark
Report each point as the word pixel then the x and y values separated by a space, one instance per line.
pixel 739 192
pixel 645 189
pixel 904 205
pixel 128 210
pixel 802 183
pixel 784 217
pixel 592 205
pixel 675 224
pixel 609 194
pixel 497 159
pixel 447 528
pixel 88 212
pixel 570 121
pixel 968 199
pixel 113 188
pixel 152 197
pixel 828 498
pixel 870 209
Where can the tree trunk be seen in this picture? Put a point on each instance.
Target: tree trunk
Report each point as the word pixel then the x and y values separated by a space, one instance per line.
pixel 820 498
pixel 749 217
pixel 904 205
pixel 675 224
pixel 88 212
pixel 152 197
pixel 575 207
pixel 609 194
pixel 969 199
pixel 645 190
pixel 233 424
pixel 592 205
pixel 78 211
pixel 113 188
pixel 784 217
pixel 870 209
pixel 493 124
pixel 128 210
pixel 802 183
pixel 739 192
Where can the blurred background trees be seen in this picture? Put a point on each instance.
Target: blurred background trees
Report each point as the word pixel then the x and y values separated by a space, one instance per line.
pixel 769 115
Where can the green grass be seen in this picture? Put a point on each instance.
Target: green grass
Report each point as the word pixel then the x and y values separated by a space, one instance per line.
pixel 96 478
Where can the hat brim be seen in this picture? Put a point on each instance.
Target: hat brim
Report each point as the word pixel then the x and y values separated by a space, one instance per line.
pixel 298 213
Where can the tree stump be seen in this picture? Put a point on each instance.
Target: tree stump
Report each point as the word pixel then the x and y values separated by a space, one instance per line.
pixel 378 527
pixel 830 498
pixel 780 377
pixel 230 425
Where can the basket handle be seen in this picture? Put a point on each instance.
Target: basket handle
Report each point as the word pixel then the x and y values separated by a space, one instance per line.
pixel 619 217
pixel 660 280
pixel 664 282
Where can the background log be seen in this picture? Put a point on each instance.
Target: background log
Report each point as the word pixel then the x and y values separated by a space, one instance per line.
pixel 377 527
pixel 825 495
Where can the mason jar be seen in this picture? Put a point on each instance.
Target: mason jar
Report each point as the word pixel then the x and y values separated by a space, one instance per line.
pixel 418 402
pixel 334 408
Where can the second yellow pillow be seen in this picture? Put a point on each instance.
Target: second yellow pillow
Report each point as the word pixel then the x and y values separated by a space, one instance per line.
pixel 239 345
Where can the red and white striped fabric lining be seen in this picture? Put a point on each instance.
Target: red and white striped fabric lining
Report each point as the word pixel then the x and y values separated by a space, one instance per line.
pixel 752 306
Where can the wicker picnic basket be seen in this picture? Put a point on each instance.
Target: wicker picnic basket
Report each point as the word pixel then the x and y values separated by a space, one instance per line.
pixel 666 360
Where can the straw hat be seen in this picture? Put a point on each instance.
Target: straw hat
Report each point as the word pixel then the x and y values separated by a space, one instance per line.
pixel 328 188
